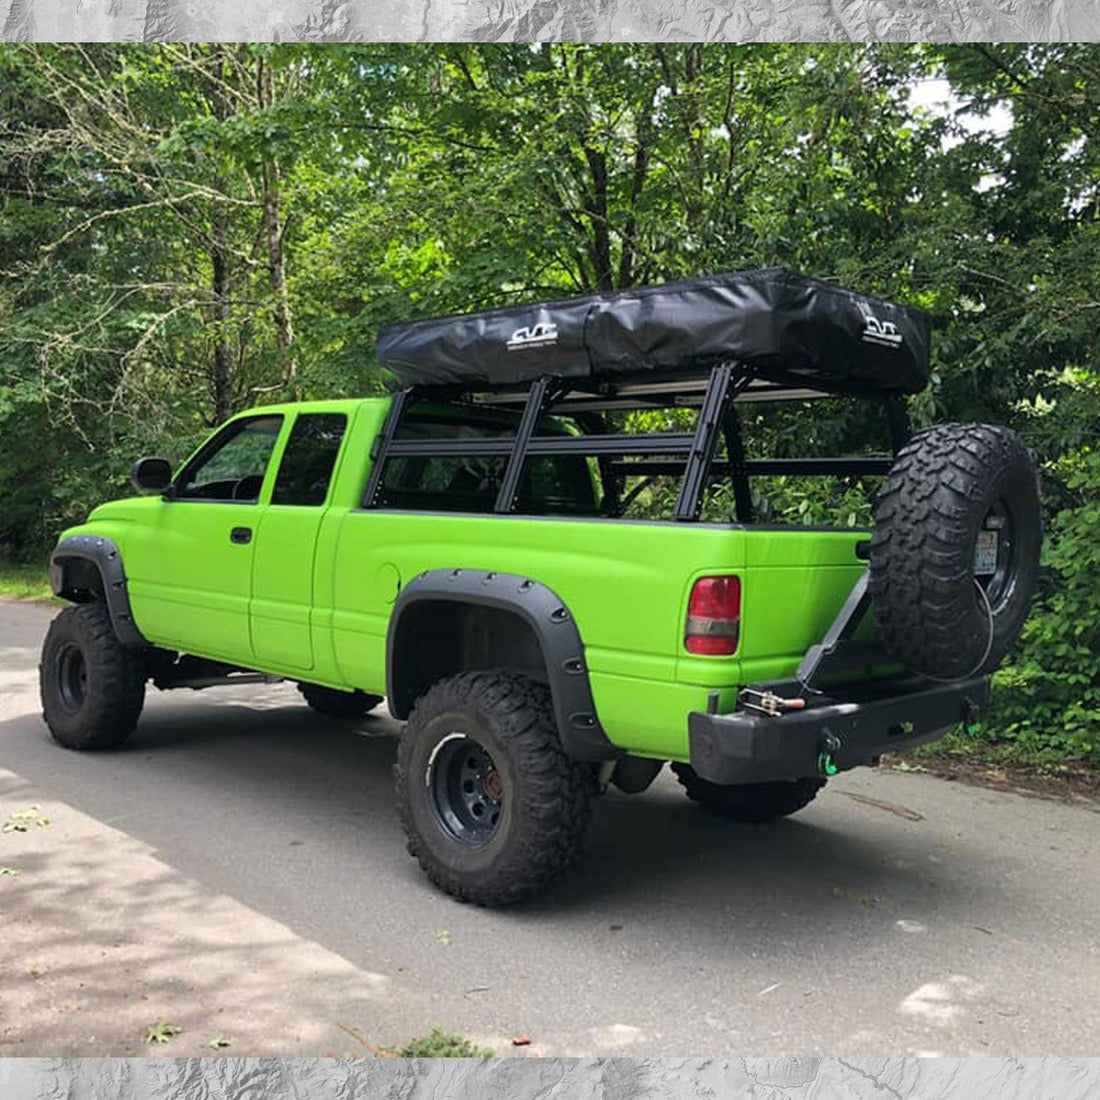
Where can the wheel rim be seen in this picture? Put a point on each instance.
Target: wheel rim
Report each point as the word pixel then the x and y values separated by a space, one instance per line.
pixel 1001 583
pixel 465 789
pixel 72 676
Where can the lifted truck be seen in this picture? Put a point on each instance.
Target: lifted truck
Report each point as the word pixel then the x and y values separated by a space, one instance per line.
pixel 527 579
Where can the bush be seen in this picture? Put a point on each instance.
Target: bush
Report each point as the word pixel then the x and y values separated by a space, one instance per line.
pixel 437 1044
pixel 1047 700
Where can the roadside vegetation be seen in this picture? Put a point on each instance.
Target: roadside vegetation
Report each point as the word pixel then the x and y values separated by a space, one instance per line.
pixel 24 582
pixel 187 229
pixel 437 1044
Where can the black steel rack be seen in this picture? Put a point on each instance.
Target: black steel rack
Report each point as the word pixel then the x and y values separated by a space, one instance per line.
pixel 688 454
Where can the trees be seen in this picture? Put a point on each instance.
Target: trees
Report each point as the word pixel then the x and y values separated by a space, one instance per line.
pixel 1036 350
pixel 144 294
pixel 189 228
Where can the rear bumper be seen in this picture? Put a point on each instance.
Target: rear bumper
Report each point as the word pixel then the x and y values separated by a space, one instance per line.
pixel 744 747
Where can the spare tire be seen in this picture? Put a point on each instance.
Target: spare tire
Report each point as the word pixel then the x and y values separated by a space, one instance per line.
pixel 955 551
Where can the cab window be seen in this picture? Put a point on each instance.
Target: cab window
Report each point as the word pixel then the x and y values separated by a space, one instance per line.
pixel 308 460
pixel 232 465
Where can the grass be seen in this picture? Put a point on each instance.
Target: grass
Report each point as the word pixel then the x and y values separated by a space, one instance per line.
pixel 987 749
pixel 986 761
pixel 437 1044
pixel 24 582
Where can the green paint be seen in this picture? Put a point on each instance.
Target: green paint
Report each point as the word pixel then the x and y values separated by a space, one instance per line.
pixel 310 596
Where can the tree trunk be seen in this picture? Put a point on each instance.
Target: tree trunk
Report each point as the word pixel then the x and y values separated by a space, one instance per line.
pixel 223 358
pixel 274 228
pixel 595 206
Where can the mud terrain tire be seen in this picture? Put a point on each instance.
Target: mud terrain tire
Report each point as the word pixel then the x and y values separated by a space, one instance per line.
pixel 947 485
pixel 489 739
pixel 753 803
pixel 339 704
pixel 92 686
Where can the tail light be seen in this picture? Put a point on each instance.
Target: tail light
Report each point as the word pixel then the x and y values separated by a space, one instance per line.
pixel 714 616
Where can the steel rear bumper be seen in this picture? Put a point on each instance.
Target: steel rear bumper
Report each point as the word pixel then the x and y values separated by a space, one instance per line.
pixel 746 747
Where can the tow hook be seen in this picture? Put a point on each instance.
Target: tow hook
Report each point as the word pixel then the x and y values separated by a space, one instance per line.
pixel 826 757
pixel 971 721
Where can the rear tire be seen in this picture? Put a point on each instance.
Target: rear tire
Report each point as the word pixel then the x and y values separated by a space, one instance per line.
pixel 339 704
pixel 493 809
pixel 92 686
pixel 948 484
pixel 753 803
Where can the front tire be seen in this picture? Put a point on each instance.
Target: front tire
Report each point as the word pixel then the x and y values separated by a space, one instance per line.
pixel 754 803
pixel 92 686
pixel 493 809
pixel 339 704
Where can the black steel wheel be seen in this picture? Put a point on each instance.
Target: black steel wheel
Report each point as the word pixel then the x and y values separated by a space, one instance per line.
pixel 493 809
pixel 92 686
pixel 467 790
pixel 72 676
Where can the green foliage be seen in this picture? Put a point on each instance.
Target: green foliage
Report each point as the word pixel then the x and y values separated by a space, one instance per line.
pixel 186 229
pixel 437 1044
pixel 25 582
pixel 161 1033
pixel 1049 698
pixel 20 821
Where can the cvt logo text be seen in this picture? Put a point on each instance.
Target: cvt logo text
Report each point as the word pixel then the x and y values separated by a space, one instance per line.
pixel 875 331
pixel 541 335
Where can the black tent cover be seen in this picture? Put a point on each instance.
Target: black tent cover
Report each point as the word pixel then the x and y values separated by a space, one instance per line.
pixel 784 326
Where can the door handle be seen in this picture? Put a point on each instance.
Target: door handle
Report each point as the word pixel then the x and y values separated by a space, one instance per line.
pixel 241 535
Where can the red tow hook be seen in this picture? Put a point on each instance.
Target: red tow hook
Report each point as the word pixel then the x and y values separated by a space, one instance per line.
pixel 767 702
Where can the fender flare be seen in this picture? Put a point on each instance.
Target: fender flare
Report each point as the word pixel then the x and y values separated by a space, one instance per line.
pixel 582 736
pixel 104 554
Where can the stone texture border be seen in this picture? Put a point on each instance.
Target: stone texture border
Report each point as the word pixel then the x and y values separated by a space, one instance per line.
pixel 549 1079
pixel 523 20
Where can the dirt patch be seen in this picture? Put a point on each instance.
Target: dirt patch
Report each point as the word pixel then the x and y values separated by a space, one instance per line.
pixel 1069 782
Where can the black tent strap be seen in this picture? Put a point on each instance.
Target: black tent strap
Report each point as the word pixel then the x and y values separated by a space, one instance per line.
pixel 739 475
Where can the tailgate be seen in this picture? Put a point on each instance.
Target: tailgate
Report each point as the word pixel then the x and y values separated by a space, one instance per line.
pixel 794 582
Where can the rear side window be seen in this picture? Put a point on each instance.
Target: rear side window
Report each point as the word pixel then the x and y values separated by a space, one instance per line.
pixel 470 483
pixel 310 455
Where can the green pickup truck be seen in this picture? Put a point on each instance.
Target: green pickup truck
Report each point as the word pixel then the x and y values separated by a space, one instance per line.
pixel 555 597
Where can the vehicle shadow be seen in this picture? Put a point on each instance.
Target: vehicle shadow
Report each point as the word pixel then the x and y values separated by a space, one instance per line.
pixel 276 775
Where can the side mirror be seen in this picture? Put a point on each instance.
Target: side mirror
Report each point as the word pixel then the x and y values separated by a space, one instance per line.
pixel 151 475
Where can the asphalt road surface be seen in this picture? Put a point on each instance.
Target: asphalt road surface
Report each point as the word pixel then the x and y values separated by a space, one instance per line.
pixel 899 914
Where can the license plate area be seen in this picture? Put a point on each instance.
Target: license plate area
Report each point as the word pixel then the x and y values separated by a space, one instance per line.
pixel 985 554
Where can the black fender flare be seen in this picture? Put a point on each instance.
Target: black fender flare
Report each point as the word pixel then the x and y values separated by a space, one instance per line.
pixel 104 555
pixel 582 736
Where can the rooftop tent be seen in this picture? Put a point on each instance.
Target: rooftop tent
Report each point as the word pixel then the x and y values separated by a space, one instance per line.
pixel 789 329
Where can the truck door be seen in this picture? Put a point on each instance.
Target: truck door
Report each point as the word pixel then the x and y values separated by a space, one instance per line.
pixel 283 562
pixel 190 566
